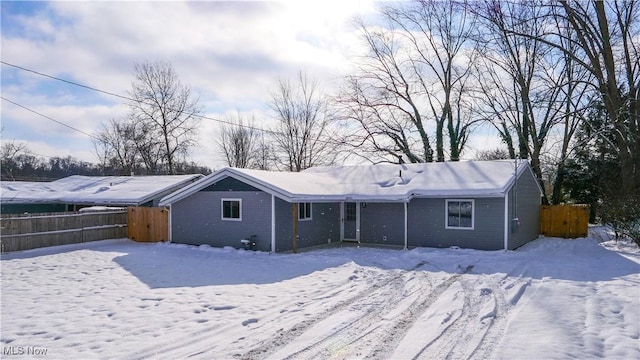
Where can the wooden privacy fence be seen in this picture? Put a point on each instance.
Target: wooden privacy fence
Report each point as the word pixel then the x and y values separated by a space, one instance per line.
pixel 30 231
pixel 148 224
pixel 566 221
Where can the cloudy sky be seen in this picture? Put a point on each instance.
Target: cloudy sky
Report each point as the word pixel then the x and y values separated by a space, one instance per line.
pixel 229 53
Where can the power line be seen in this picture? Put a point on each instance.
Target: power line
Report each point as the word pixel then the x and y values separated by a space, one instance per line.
pixel 126 97
pixel 147 103
pixel 65 81
pixel 47 117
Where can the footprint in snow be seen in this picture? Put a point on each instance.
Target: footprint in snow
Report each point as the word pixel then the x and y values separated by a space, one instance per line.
pixel 249 322
pixel 485 291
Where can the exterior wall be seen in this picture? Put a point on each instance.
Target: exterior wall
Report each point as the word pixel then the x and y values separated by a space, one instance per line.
pixel 323 228
pixel 196 220
pixel 382 223
pixel 426 223
pixel 230 184
pixel 32 208
pixel 527 203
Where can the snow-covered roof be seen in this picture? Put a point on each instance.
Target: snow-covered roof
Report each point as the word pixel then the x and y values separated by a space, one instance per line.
pixel 104 190
pixel 382 182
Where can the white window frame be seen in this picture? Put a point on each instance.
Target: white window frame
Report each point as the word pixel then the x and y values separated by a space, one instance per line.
pixel 310 214
pixel 473 214
pixel 222 201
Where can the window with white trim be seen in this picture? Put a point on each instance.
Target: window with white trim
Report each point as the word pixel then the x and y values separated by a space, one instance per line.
pixel 460 214
pixel 232 209
pixel 304 211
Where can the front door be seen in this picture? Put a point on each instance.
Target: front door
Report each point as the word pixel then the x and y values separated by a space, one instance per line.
pixel 351 215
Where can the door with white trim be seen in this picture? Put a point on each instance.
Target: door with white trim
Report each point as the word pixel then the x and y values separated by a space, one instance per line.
pixel 350 222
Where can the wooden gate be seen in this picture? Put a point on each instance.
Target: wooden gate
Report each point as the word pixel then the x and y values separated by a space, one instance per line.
pixel 565 221
pixel 148 224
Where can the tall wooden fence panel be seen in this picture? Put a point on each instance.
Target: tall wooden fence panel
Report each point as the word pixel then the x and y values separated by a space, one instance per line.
pixel 31 231
pixel 565 221
pixel 148 224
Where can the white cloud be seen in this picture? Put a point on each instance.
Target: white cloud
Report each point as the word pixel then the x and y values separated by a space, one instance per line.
pixel 481 140
pixel 230 53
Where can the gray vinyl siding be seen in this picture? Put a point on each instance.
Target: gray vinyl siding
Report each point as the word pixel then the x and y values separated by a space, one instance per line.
pixel 382 223
pixel 426 221
pixel 33 208
pixel 229 184
pixel 196 220
pixel 324 227
pixel 528 211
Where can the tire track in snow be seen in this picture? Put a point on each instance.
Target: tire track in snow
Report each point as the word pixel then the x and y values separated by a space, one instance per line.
pixel 354 336
pixel 476 330
pixel 180 347
pixel 275 343
pixel 480 325
pixel 497 324
pixel 407 319
pixel 195 344
pixel 198 344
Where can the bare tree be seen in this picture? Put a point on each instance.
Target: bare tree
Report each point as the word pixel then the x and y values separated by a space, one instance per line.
pixel 527 88
pixel 609 40
pixel 166 110
pixel 603 41
pixel 300 137
pixel 440 36
pixel 265 153
pixel 416 73
pixel 495 154
pixel 239 142
pixel 116 146
pixel 571 79
pixel 10 156
pixel 129 147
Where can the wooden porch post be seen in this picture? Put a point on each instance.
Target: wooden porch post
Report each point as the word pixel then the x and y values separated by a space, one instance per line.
pixel 295 228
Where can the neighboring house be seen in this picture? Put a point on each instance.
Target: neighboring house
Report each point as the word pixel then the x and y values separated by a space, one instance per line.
pixel 480 205
pixel 75 192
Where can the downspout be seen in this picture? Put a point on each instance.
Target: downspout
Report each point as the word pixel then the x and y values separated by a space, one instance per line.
pixel 506 220
pixel 169 225
pixel 406 227
pixel 273 223
pixel 295 228
pixel 515 191
pixel 341 221
pixel 358 221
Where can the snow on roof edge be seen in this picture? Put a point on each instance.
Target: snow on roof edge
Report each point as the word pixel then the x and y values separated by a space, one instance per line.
pixel 87 190
pixel 252 177
pixel 218 175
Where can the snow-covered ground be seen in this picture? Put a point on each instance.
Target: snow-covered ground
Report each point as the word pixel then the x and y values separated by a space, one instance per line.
pixel 550 299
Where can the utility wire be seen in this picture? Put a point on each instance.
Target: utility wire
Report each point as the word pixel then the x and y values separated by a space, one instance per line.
pixel 47 117
pixel 129 98
pixel 146 103
pixel 64 80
